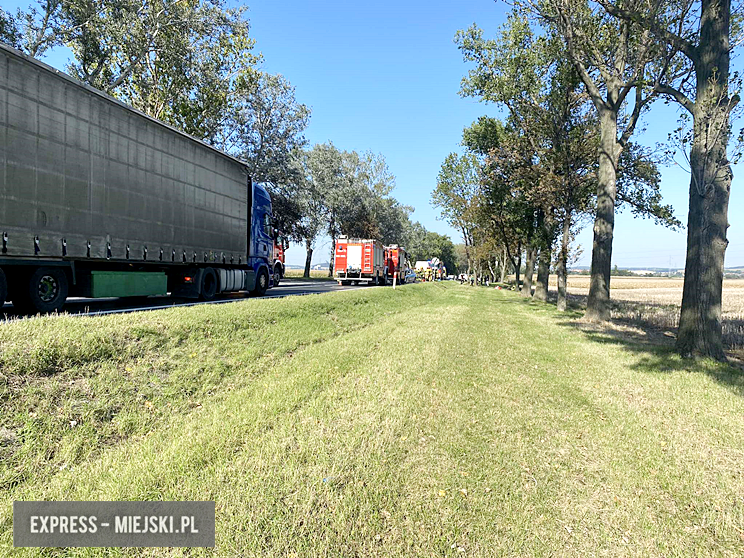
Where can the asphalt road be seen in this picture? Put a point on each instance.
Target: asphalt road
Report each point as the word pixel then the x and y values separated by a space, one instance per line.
pixel 100 306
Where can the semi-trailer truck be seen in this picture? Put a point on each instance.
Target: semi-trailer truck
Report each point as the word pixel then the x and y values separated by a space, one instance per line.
pixel 100 200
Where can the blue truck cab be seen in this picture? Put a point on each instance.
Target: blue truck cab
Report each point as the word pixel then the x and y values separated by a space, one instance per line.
pixel 261 240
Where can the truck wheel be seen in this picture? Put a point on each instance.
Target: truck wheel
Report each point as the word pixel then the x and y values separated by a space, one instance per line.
pixel 277 275
pixel 209 284
pixel 3 288
pixel 46 291
pixel 262 282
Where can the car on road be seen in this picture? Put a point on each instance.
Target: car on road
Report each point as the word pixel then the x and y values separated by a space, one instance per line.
pixel 410 276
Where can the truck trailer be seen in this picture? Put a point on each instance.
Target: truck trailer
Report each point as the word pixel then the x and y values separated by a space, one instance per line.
pixel 100 200
pixel 358 260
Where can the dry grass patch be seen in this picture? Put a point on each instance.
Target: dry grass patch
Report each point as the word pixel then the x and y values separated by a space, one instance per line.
pixel 654 302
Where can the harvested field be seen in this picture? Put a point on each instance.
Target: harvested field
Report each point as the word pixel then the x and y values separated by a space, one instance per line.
pixel 643 283
pixel 655 302
pixel 315 274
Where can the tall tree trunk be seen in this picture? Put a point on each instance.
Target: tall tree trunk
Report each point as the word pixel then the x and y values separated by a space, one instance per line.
pixel 543 274
pixel 710 185
pixel 333 257
pixel 563 261
pixel 468 255
pixel 529 269
pixel 308 258
pixel 598 303
pixel 331 230
pixel 547 224
pixel 503 266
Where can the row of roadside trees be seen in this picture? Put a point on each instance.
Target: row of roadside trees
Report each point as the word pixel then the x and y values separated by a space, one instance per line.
pixel 194 66
pixel 574 78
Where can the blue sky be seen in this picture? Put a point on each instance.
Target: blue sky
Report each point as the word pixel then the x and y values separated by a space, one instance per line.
pixel 385 76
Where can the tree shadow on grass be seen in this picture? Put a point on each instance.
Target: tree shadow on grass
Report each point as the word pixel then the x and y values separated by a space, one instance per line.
pixel 652 345
pixel 655 354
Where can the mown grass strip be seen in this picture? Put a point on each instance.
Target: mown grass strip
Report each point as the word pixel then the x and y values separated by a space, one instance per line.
pixel 70 385
pixel 474 424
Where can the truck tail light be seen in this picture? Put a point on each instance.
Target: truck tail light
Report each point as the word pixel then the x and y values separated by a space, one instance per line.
pixel 188 279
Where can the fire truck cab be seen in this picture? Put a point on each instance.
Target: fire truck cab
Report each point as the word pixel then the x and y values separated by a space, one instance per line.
pixel 280 246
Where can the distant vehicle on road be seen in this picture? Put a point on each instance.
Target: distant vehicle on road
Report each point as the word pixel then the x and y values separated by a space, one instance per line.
pixel 410 276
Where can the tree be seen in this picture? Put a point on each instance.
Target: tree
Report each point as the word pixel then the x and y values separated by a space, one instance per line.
pixel 267 126
pixel 349 194
pixel 175 61
pixel 310 200
pixel 33 31
pixel 700 31
pixel 9 33
pixel 266 130
pixel 544 169
pixel 458 185
pixel 613 60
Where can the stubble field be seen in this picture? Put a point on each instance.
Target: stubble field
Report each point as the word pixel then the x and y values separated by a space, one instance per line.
pixel 655 302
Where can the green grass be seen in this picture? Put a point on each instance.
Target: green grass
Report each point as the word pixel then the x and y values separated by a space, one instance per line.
pixel 433 420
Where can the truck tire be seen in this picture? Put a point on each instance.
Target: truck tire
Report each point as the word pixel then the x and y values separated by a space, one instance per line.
pixel 45 292
pixel 209 284
pixel 262 282
pixel 3 288
pixel 277 274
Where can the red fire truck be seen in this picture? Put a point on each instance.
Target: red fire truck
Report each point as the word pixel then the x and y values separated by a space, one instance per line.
pixel 396 263
pixel 358 260
pixel 280 245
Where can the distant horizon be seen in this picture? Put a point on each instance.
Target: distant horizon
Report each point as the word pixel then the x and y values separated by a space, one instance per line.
pixel 581 267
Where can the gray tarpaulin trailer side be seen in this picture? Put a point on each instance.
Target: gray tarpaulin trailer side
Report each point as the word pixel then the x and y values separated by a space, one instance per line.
pixel 91 185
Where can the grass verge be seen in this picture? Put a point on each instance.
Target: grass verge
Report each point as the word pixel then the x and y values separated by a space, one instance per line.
pixel 434 420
